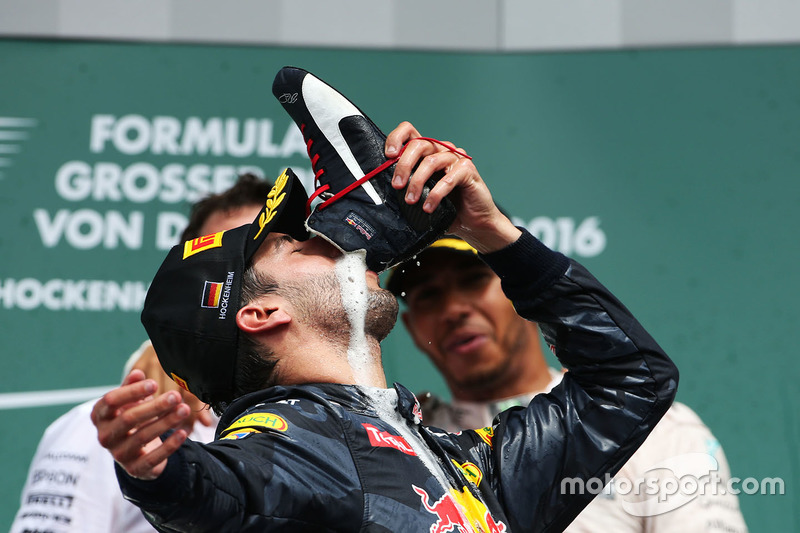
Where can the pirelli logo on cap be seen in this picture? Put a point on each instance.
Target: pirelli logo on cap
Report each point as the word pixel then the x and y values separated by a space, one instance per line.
pixel 201 244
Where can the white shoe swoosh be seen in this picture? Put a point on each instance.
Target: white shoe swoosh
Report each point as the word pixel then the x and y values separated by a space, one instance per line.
pixel 327 108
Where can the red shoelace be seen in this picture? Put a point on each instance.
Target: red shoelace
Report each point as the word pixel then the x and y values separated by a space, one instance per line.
pixel 318 173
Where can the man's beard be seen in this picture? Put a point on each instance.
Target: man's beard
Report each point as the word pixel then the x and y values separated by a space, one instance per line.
pixel 382 308
pixel 318 302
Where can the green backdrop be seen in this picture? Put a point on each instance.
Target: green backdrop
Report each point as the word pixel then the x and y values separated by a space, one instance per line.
pixel 672 174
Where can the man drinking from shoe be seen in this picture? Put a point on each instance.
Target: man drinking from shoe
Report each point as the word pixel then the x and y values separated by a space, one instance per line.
pixel 311 439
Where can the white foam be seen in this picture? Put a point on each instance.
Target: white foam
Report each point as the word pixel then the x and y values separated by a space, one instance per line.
pixel 385 403
pixel 351 271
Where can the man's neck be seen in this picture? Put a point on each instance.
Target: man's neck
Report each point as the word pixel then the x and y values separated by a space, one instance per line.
pixel 323 363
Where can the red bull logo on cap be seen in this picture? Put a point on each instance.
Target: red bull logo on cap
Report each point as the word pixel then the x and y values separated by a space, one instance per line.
pixel 459 512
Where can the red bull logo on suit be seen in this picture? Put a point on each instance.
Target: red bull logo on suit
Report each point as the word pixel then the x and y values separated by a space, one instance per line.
pixel 459 512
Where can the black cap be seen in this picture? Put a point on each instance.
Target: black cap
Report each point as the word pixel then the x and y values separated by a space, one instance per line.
pixel 395 282
pixel 190 309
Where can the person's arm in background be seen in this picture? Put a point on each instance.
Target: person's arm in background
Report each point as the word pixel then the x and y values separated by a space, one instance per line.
pixel 72 486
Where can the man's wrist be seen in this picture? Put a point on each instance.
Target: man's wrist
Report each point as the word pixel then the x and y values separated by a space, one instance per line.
pixel 497 236
pixel 527 261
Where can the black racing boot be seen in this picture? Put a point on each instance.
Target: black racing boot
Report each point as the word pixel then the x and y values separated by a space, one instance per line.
pixel 344 146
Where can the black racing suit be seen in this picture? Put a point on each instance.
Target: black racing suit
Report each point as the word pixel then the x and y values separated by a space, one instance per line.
pixel 328 457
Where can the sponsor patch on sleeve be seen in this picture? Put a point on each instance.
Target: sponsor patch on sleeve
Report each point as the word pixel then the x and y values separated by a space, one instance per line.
pixel 259 422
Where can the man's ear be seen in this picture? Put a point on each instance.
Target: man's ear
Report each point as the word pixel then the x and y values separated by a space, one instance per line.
pixel 255 318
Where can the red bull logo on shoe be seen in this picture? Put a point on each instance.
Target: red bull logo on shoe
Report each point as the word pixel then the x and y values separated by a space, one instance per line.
pixel 361 225
pixel 459 512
